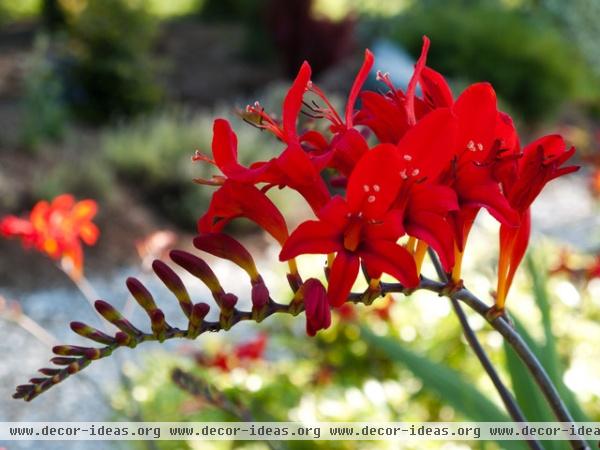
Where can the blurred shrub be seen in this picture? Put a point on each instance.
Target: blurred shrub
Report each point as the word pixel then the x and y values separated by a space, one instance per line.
pixel 154 154
pixel 112 72
pixel 527 61
pixel 88 177
pixel 44 110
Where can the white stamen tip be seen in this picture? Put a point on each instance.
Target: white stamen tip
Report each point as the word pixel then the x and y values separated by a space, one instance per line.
pixel 415 172
pixel 376 188
pixel 403 174
pixel 480 147
pixel 408 157
pixel 366 188
pixel 371 198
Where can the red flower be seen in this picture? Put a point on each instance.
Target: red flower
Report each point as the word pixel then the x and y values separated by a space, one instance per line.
pixel 252 350
pixel 360 227
pixel 541 163
pixel 235 199
pixel 293 168
pixel 56 229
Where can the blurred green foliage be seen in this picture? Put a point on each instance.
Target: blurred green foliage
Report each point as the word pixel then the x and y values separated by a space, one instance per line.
pixel 111 71
pixel 45 113
pixel 523 55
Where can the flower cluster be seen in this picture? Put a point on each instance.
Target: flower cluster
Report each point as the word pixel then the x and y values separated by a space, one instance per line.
pixel 57 229
pixel 387 180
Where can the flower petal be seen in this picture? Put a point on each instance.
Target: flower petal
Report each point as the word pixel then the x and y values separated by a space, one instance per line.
pixel 293 102
pixel 312 237
pixel 374 182
pixel 235 199
pixel 360 79
pixel 342 277
pixel 435 231
pixel 388 257
pixel 428 147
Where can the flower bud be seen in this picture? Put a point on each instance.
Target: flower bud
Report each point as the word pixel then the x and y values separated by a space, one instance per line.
pixel 318 312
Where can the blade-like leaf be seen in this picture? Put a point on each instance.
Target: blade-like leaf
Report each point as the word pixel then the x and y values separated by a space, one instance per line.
pixel 447 383
pixel 548 353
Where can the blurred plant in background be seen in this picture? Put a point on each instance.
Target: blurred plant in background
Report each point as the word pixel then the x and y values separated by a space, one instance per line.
pixel 99 66
pixel 45 112
pixel 138 153
pixel 532 68
pixel 110 71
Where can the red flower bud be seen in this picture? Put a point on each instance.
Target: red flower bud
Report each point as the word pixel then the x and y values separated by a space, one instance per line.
pixel 318 312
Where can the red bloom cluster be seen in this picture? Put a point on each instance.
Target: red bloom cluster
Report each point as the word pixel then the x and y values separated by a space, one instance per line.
pixel 241 355
pixel 403 165
pixel 56 229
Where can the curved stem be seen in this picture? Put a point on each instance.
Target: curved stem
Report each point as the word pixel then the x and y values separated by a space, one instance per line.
pixel 509 401
pixel 534 366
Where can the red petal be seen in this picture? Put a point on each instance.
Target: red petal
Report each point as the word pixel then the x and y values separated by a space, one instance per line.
pixel 435 231
pixel 335 212
pixel 375 182
pixel 224 148
pixel 477 117
pixel 412 84
pixel 235 199
pixel 489 197
pixel 429 144
pixel 348 148
pixel 388 257
pixel 293 102
pixel 382 116
pixel 434 198
pixel 436 91
pixel 362 75
pixel 342 277
pixel 312 237
pixel 299 173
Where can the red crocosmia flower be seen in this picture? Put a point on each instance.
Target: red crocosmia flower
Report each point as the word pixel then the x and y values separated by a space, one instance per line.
pixel 426 203
pixel 361 227
pixel 252 350
pixel 484 134
pixel 235 199
pixel 541 163
pixel 389 116
pixel 347 145
pixel 57 229
pixel 293 168
pixel 318 312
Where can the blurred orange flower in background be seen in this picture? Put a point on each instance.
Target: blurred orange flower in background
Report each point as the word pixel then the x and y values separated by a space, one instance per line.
pixel 57 228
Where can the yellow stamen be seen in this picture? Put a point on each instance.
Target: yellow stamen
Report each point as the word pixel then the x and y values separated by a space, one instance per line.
pixel 410 245
pixel 420 254
pixel 456 271
pixel 330 258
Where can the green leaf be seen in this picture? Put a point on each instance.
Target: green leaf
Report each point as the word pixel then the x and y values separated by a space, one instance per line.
pixel 547 352
pixel 527 393
pixel 447 383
